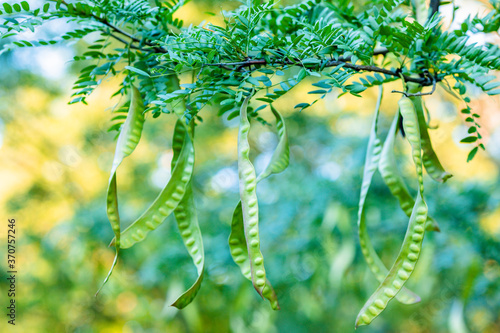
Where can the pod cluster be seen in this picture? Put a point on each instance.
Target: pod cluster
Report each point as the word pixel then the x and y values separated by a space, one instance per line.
pixel 392 281
pixel 177 198
pixel 244 239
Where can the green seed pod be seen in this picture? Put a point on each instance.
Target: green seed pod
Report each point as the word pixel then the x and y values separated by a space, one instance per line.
pixel 187 222
pixel 250 216
pixel 377 267
pixel 430 160
pixel 393 179
pixel 237 241
pixel 130 134
pixel 408 256
pixel 402 268
pixel 167 200
pixel 410 123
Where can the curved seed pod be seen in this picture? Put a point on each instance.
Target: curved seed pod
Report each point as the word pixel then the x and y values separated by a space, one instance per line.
pixel 402 268
pixel 237 242
pixel 392 178
pixel 239 252
pixel 411 127
pixel 281 155
pixel 430 159
pixel 187 222
pixel 167 200
pixel 376 265
pixel 249 205
pixel 408 256
pixel 129 137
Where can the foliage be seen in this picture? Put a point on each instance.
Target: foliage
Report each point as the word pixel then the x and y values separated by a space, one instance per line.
pixel 263 51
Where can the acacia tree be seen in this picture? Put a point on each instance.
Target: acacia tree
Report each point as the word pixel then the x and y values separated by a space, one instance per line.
pixel 260 54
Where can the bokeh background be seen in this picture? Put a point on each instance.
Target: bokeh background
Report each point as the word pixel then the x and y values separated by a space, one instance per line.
pixel 54 164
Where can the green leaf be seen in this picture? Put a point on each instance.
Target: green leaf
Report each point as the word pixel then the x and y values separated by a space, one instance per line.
pixel 493 92
pixel 301 105
pixel 469 139
pixel 7 7
pixel 230 101
pixel 471 155
pixel 253 81
pixel 137 70
pixel 319 91
pixel 25 5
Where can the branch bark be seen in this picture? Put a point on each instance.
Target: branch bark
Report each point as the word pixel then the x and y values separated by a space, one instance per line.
pixel 424 81
pixel 434 6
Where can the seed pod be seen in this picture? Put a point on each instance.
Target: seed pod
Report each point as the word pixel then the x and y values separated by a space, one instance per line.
pixel 372 259
pixel 187 222
pixel 167 200
pixel 408 256
pixel 430 160
pixel 130 134
pixel 250 211
pixel 392 178
pixel 237 241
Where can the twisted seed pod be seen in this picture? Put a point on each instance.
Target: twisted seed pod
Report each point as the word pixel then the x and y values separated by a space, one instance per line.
pixel 130 134
pixel 237 242
pixel 250 209
pixel 376 265
pixel 167 200
pixel 281 155
pixel 431 161
pixel 411 127
pixel 408 256
pixel 392 178
pixel 187 222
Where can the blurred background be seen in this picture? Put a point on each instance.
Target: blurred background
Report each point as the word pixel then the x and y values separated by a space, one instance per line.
pixel 54 165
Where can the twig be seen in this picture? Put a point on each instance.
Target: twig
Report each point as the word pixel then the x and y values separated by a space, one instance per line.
pixel 124 41
pixel 342 61
pixel 104 21
pixel 407 94
pixel 199 73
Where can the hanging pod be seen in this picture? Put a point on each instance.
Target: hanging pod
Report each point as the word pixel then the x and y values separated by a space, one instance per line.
pixel 430 160
pixel 376 265
pixel 130 134
pixel 166 201
pixel 244 238
pixel 187 220
pixel 393 179
pixel 176 197
pixel 185 212
pixel 408 256
pixel 237 240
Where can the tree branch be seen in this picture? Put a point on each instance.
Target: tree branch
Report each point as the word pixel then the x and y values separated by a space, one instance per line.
pixel 434 7
pixel 124 41
pixel 407 94
pixel 424 81
pixel 116 29
pixel 155 47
